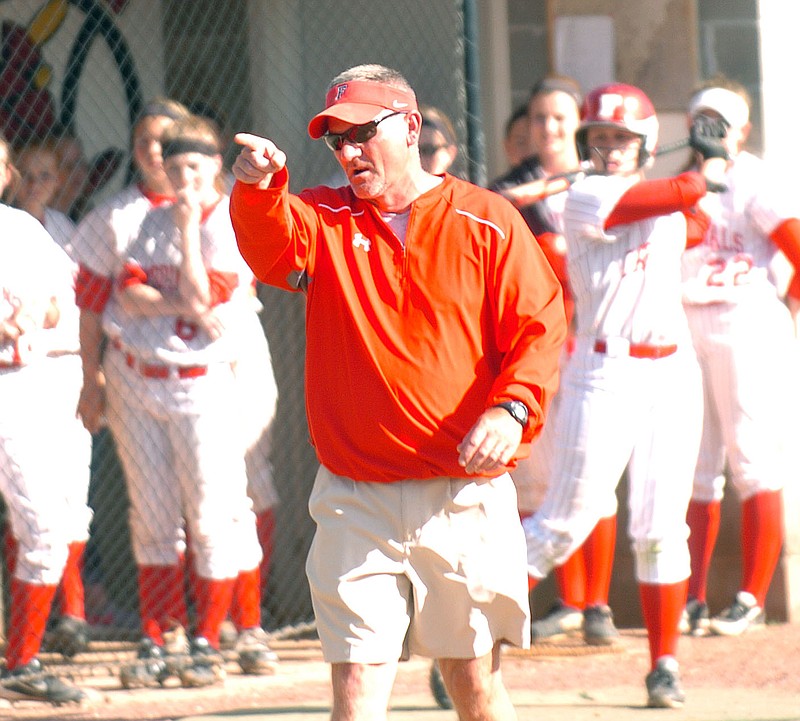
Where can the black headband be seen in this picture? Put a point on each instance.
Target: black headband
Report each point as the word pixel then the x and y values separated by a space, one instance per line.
pixel 187 145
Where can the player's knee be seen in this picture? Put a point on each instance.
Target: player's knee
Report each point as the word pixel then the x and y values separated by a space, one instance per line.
pixel 662 560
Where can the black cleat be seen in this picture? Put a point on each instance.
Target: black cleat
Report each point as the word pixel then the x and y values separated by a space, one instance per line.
pixel 664 686
pixel 29 682
pixel 255 655
pixel 205 667
pixel 149 669
pixel 70 637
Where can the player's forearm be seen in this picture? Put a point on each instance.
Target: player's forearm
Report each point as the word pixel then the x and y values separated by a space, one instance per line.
pixel 144 301
pixel 90 334
pixel 652 198
pixel 193 283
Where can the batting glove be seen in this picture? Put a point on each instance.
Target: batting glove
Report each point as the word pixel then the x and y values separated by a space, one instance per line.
pixel 706 136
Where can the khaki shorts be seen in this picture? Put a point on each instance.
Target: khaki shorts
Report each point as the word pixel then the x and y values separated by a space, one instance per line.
pixel 435 568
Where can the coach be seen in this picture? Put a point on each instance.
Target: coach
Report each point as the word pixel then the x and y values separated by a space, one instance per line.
pixel 434 328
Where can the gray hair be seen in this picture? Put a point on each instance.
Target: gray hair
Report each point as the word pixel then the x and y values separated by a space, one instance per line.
pixel 372 72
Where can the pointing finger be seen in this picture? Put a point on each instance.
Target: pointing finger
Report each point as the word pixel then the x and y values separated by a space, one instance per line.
pixel 258 159
pixel 254 142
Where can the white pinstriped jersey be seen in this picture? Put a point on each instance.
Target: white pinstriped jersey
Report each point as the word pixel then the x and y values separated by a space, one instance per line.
pixel 171 338
pixel 102 238
pixel 61 229
pixel 33 270
pixel 736 257
pixel 626 281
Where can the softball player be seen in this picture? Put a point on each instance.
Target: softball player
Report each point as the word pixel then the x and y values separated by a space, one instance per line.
pixel 102 242
pixel 38 167
pixel 744 336
pixel 39 381
pixel 584 578
pixel 630 395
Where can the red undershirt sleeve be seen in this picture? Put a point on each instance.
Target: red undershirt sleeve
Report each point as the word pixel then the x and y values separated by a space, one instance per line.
pixel 651 198
pixel 787 237
pixel 131 274
pixel 222 285
pixel 92 291
pixel 697 223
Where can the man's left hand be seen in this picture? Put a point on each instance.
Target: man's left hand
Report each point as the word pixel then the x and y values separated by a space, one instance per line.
pixel 491 442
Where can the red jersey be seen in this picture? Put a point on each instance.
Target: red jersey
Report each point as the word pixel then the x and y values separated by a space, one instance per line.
pixel 408 342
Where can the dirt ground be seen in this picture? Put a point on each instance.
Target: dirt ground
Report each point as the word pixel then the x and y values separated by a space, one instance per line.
pixel 765 661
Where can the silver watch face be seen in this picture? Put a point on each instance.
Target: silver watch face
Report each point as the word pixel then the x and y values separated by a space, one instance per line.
pixel 521 412
pixel 518 411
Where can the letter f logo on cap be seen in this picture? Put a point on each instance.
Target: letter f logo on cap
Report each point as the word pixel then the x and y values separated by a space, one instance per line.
pixel 340 90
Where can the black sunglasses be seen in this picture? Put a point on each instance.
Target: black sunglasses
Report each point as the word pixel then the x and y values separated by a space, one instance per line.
pixel 356 135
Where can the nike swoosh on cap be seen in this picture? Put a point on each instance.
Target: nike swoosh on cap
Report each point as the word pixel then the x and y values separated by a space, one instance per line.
pixel 398 104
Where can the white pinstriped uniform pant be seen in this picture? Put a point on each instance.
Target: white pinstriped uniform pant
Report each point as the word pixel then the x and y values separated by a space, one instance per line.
pixel 618 412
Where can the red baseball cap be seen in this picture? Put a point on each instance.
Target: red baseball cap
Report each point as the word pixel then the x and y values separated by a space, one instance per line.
pixel 358 101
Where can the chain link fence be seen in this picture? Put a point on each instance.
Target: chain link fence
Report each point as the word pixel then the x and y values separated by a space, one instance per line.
pixel 74 77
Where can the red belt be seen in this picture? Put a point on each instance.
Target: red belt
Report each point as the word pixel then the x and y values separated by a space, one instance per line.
pixel 159 370
pixel 639 350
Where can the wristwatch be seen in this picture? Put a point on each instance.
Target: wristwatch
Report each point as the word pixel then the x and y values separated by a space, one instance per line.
pixel 518 410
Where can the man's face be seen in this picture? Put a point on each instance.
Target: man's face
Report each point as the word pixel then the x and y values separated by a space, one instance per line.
pixel 377 165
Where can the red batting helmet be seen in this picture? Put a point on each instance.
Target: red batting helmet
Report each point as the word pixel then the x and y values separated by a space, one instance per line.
pixel 622 106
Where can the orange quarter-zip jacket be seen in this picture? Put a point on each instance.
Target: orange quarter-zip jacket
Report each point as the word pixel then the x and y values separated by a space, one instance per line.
pixel 408 343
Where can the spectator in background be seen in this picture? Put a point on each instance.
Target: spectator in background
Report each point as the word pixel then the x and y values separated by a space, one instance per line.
pixel 517 136
pixel 538 185
pixel 73 176
pixel 40 179
pixel 79 178
pixel 438 144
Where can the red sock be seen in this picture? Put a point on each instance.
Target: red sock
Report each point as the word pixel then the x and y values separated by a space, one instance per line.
pixel 571 580
pixel 246 601
pixel 161 600
pixel 30 607
pixel 703 521
pixel 70 590
pixel 265 527
pixel 598 553
pixel 762 538
pixel 213 604
pixel 662 607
